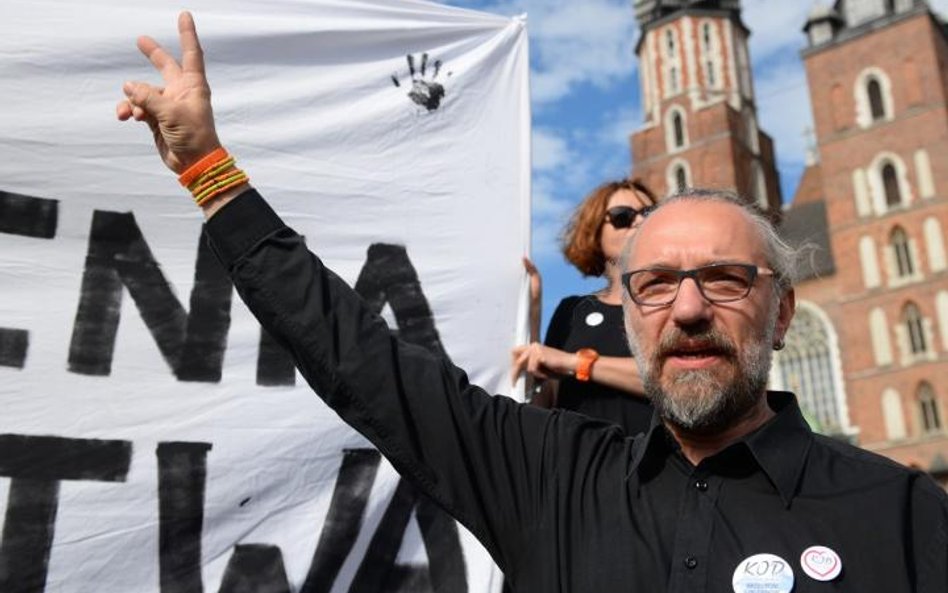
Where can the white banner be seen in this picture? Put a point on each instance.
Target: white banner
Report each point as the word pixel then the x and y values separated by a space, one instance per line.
pixel 151 439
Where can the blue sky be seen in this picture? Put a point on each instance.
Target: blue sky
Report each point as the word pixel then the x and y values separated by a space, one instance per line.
pixel 585 100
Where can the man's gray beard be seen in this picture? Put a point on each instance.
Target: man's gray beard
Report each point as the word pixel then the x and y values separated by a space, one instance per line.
pixel 699 402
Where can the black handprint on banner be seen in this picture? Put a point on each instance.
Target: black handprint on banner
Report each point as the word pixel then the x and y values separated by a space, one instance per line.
pixel 424 90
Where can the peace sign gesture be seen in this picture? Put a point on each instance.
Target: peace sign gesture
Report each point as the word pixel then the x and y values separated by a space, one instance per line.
pixel 179 114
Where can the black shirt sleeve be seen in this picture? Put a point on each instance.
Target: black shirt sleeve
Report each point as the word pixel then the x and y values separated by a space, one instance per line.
pixel 477 456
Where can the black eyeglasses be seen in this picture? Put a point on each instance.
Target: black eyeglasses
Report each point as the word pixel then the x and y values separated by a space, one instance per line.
pixel 622 217
pixel 718 283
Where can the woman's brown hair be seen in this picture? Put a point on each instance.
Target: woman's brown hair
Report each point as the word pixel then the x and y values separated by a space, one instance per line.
pixel 581 235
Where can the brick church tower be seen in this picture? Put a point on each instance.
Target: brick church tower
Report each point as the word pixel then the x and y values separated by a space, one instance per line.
pixel 700 116
pixel 868 350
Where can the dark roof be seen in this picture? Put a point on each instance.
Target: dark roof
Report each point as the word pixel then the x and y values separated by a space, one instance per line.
pixel 805 226
pixel 810 188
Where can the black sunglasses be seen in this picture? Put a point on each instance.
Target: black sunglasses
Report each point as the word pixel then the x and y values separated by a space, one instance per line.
pixel 622 217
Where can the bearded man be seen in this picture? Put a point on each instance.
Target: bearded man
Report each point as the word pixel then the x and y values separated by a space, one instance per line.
pixel 729 490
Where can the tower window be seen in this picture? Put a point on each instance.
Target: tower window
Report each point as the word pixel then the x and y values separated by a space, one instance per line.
pixel 876 105
pixel 709 65
pixel 903 255
pixel 912 318
pixel 670 43
pixel 679 130
pixel 890 183
pixel 681 178
pixel 928 409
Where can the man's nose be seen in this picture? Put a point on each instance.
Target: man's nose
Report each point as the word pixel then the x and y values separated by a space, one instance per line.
pixel 690 306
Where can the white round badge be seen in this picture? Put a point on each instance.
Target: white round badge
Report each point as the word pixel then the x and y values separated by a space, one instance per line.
pixel 594 319
pixel 821 563
pixel 763 573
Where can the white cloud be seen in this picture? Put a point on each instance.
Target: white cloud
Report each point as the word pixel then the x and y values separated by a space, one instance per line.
pixel 618 125
pixel 550 151
pixel 783 100
pixel 573 42
pixel 776 27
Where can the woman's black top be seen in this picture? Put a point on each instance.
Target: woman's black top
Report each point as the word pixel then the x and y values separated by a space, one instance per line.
pixel 587 322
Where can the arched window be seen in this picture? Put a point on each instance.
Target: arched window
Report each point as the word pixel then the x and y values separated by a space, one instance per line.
pixel 670 43
pixel 876 106
pixel 678 128
pixel 928 408
pixel 681 178
pixel 678 175
pixel 890 184
pixel 709 54
pixel 873 94
pixel 806 368
pixel 675 85
pixel 915 328
pixel 899 241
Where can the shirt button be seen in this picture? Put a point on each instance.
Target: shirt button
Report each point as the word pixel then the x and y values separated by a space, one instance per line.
pixel 701 485
pixel 691 562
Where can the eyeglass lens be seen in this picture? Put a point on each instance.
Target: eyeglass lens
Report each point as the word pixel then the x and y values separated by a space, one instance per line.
pixel 718 283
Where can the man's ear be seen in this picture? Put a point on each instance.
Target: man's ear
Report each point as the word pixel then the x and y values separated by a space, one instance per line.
pixel 787 307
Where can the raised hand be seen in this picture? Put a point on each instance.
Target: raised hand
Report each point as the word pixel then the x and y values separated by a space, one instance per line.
pixel 179 113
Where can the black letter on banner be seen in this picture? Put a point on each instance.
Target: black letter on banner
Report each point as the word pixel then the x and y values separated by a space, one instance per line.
pixel 36 465
pixel 193 345
pixel 255 568
pixel 275 366
pixel 344 519
pixel 445 572
pixel 389 276
pixel 182 477
pixel 29 217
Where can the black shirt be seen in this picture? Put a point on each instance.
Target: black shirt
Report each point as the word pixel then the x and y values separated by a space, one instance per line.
pixel 565 503
pixel 587 322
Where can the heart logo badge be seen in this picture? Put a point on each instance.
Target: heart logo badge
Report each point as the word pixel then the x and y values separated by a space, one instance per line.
pixel 821 563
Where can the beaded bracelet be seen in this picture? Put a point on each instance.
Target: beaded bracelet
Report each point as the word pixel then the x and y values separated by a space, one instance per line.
pixel 212 175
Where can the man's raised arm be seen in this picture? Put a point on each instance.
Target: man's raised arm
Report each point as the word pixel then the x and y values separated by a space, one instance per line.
pixel 481 458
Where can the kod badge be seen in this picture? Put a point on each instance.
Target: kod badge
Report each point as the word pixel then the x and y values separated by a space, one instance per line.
pixel 821 563
pixel 763 573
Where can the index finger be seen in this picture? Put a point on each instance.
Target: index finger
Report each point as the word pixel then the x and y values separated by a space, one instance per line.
pixel 160 59
pixel 192 56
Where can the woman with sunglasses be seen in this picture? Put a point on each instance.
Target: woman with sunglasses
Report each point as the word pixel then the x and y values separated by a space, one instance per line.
pixel 585 364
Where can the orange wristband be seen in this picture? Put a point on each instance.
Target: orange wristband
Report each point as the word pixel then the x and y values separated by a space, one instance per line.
pixel 203 164
pixel 586 358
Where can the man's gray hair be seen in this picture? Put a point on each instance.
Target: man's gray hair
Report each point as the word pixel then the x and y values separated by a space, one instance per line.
pixel 782 258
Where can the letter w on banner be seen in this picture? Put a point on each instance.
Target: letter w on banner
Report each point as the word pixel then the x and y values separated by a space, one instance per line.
pixel 152 437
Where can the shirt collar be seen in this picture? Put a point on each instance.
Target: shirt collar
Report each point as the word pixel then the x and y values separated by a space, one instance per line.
pixel 779 447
